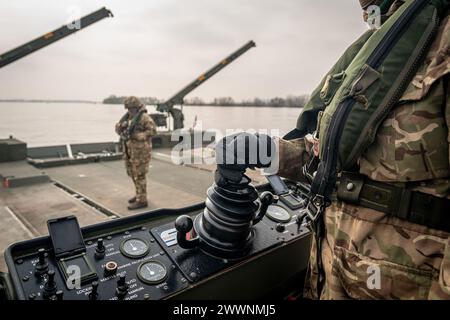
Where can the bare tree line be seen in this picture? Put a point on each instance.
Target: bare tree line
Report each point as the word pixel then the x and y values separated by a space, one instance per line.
pixel 291 101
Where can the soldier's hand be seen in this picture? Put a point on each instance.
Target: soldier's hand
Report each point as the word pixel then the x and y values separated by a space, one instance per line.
pixel 121 127
pixel 245 150
pixel 118 128
pixel 238 152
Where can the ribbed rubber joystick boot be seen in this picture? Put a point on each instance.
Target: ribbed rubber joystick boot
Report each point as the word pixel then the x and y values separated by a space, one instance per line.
pixel 225 226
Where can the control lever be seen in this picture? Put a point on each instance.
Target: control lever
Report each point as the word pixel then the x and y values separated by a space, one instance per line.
pixel 94 293
pixel 50 285
pixel 42 265
pixel 183 225
pixel 100 249
pixel 122 287
pixel 266 198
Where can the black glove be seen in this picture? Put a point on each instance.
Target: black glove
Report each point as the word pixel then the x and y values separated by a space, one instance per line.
pixel 237 152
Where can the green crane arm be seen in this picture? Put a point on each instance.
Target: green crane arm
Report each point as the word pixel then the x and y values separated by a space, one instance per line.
pixel 177 99
pixel 53 36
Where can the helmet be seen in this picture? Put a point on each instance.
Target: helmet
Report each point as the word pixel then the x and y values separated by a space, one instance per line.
pixel 366 3
pixel 133 102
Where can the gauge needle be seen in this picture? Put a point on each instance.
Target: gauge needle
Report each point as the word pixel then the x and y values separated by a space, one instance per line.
pixel 133 247
pixel 150 271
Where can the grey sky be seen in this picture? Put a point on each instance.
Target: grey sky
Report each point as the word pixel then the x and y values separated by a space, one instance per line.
pixel 154 47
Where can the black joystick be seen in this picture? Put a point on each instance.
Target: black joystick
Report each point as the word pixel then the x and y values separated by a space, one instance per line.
pixel 100 249
pixel 42 265
pixel 94 293
pixel 50 285
pixel 122 287
pixel 225 228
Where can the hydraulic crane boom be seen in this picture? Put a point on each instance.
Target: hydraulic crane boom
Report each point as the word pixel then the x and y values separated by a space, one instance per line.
pixel 53 36
pixel 177 99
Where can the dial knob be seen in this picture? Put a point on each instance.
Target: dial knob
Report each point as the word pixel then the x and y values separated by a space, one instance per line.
pixel 280 227
pixel 110 268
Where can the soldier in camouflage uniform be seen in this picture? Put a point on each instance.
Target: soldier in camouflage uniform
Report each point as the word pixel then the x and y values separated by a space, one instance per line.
pixel 136 129
pixel 411 149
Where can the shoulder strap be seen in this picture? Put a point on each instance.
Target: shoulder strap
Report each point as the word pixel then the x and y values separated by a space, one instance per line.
pixel 382 60
pixel 135 121
pixel 307 120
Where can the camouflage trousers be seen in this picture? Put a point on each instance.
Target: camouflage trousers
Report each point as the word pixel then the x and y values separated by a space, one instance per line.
pixel 368 255
pixel 136 162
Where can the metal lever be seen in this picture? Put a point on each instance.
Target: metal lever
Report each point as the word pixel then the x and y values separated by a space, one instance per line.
pixel 266 198
pixel 184 225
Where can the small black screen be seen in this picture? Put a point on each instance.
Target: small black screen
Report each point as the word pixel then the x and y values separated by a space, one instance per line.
pixel 278 185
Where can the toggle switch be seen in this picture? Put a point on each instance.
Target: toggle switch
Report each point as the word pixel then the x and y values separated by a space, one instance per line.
pixel 122 287
pixel 50 285
pixel 94 293
pixel 42 265
pixel 100 249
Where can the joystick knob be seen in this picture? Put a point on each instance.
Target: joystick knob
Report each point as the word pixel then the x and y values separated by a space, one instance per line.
pixel 50 285
pixel 100 249
pixel 42 265
pixel 183 225
pixel 122 287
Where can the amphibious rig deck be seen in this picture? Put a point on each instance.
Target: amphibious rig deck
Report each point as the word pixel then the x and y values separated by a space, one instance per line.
pixel 38 184
pixel 125 255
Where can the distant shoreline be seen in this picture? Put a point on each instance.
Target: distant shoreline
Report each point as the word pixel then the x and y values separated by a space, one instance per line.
pixel 47 101
pixel 119 104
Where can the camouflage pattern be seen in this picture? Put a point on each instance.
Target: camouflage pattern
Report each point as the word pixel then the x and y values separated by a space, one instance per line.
pixel 411 259
pixel 132 102
pixel 137 150
pixel 412 145
pixel 136 163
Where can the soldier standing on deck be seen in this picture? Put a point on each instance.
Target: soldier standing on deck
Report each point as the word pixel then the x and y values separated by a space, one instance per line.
pixel 136 129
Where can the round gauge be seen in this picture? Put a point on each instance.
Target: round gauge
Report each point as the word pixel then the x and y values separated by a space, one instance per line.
pixel 278 214
pixel 152 272
pixel 134 248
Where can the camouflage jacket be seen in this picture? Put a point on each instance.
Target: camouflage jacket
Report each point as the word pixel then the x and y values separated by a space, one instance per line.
pixel 141 136
pixel 412 144
pixel 412 147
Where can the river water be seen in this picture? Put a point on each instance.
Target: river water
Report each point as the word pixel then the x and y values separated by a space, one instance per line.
pixel 45 124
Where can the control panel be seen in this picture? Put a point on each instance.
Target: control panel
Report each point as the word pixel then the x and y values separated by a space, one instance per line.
pixel 141 257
